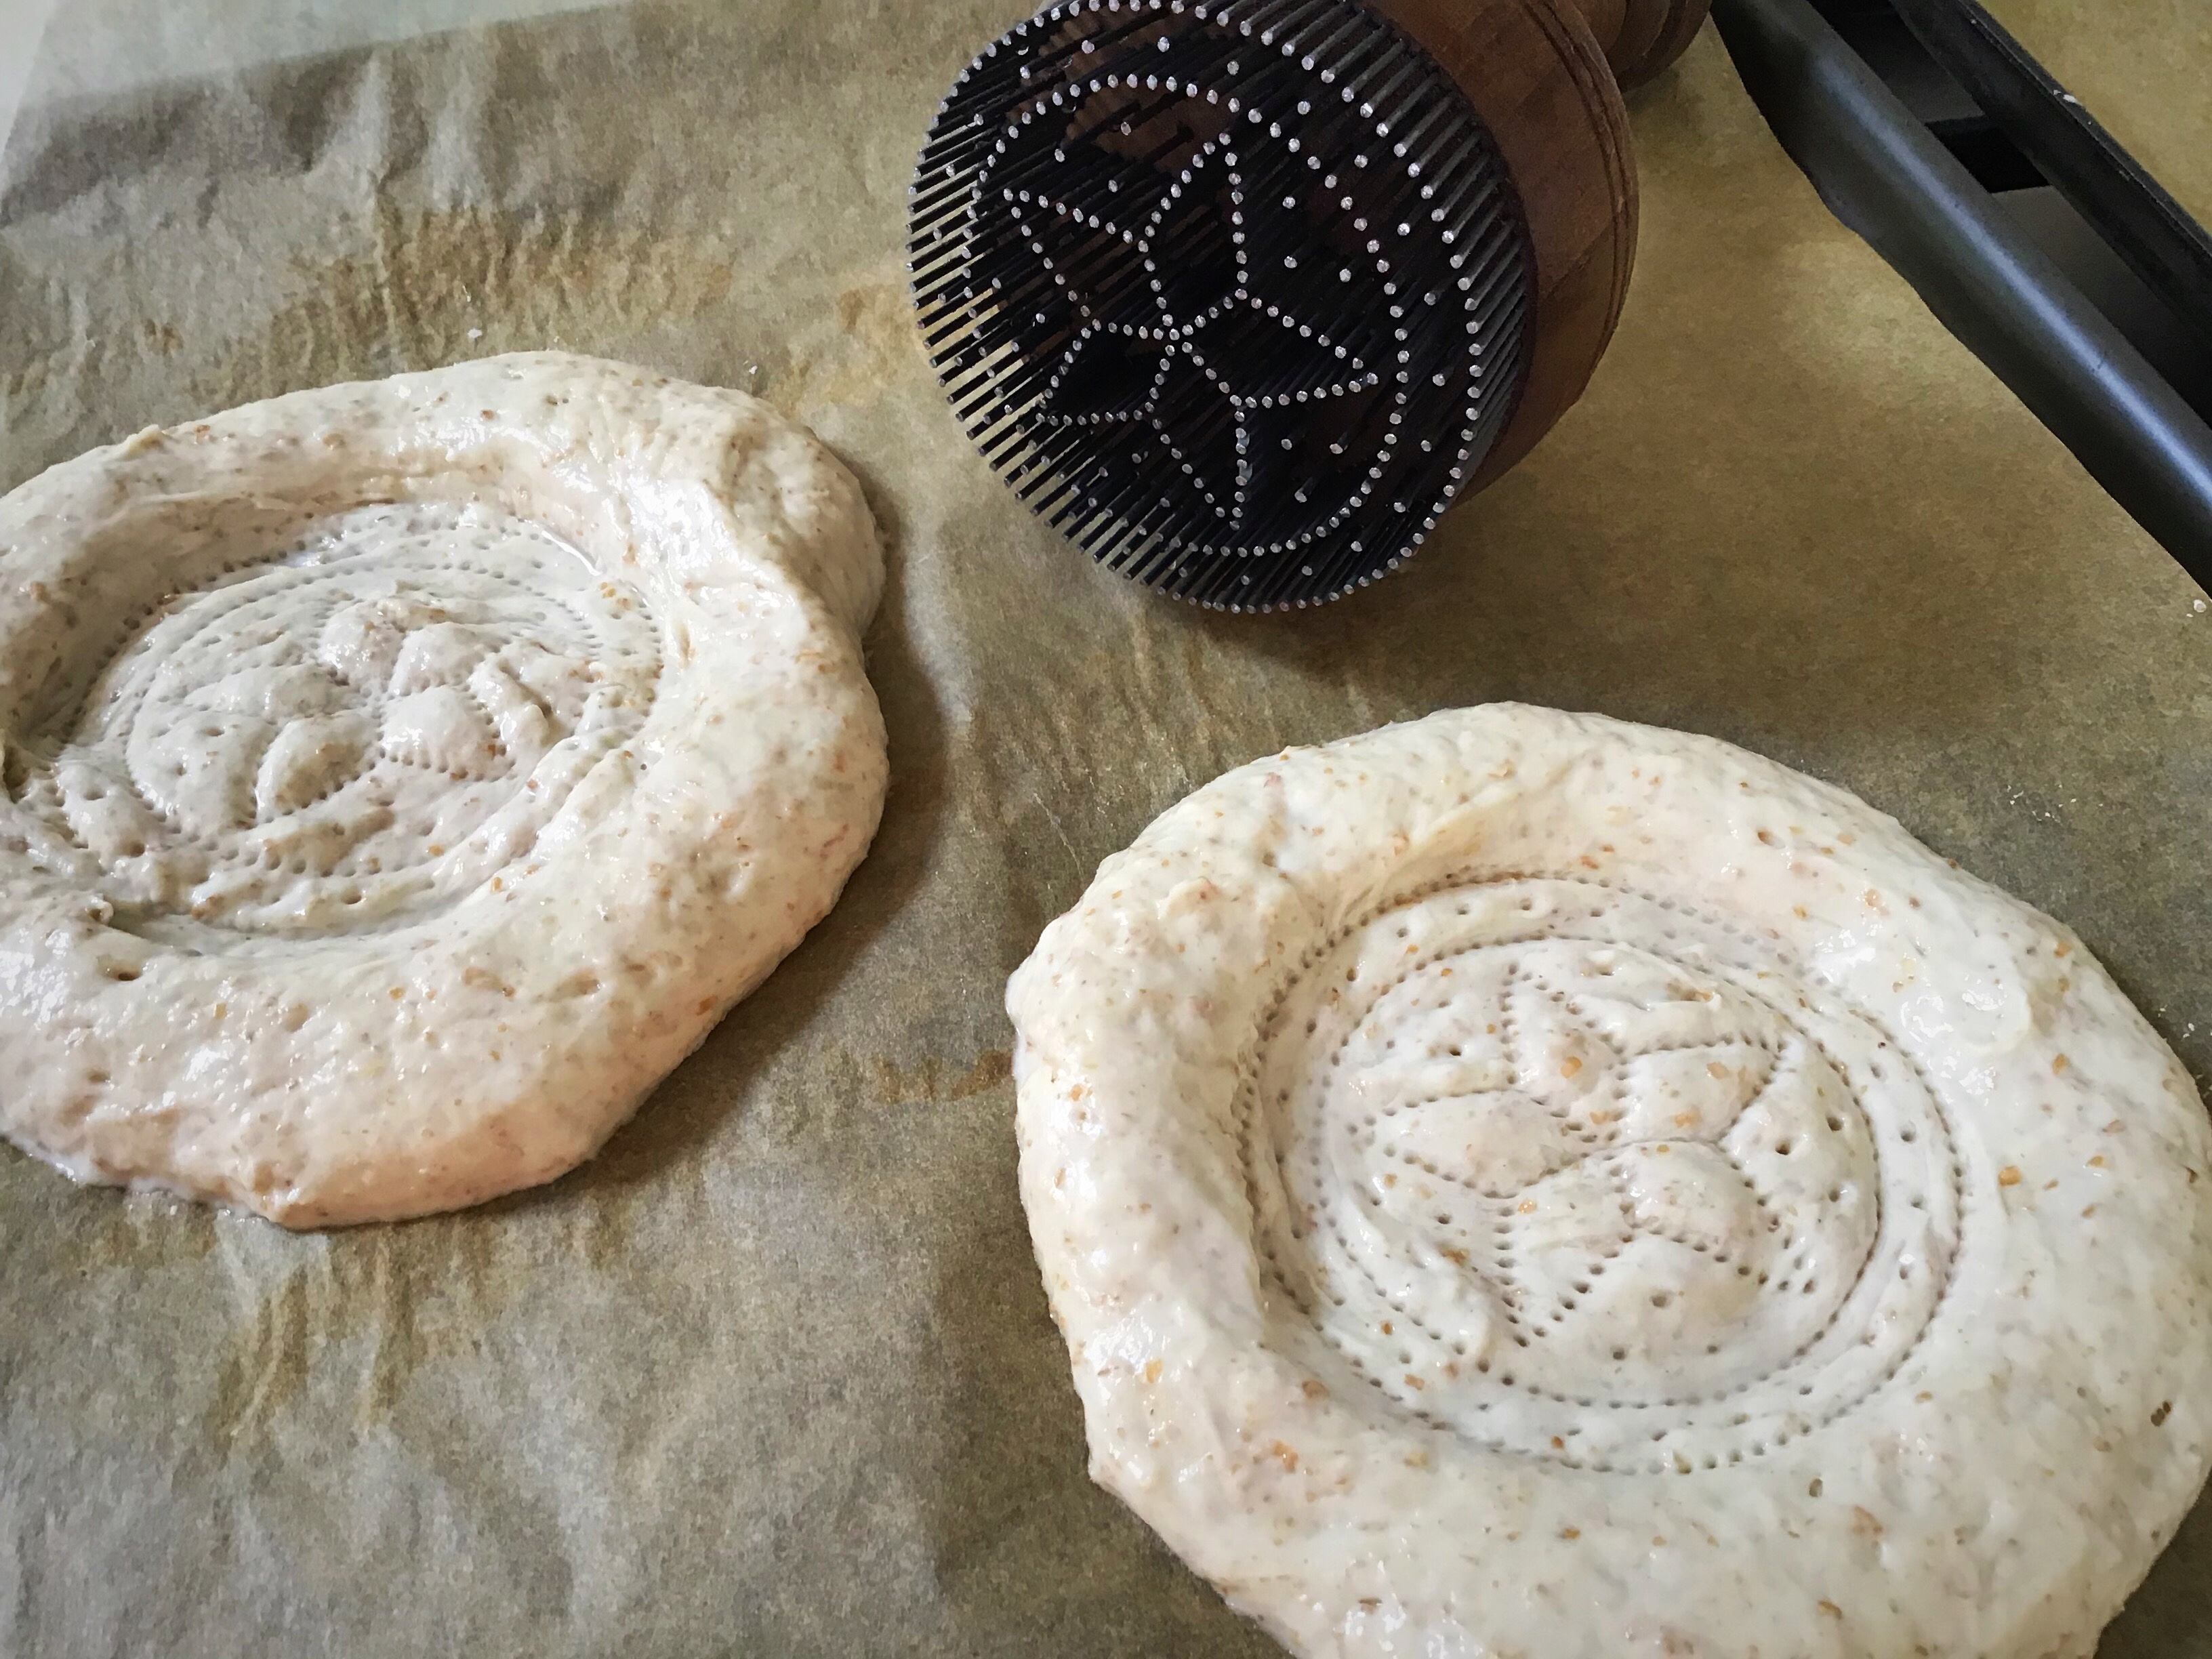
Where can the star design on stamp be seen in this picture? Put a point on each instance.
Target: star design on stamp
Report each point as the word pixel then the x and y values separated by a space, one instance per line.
pixel 1198 351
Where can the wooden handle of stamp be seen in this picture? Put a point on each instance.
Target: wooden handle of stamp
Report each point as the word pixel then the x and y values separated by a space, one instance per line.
pixel 1546 76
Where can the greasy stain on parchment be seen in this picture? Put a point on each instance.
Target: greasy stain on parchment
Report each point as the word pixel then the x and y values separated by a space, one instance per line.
pixel 450 285
pixel 849 358
pixel 414 1294
pixel 938 1080
pixel 134 1234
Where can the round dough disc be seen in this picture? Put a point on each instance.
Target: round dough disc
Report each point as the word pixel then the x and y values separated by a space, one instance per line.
pixel 401 778
pixel 1524 1184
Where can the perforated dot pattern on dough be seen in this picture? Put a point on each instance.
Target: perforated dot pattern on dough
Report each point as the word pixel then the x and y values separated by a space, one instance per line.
pixel 351 732
pixel 1579 1173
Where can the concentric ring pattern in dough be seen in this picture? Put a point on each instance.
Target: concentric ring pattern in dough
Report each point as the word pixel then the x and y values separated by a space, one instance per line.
pixel 401 778
pixel 1524 1184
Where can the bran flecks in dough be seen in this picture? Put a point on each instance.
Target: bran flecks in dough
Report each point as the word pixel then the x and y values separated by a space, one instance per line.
pixel 1521 1184
pixel 401 778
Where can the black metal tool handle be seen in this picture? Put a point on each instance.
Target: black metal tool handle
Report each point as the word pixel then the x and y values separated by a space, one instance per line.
pixel 2137 218
pixel 1888 177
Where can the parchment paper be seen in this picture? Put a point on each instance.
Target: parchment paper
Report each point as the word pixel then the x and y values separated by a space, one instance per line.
pixel 775 1376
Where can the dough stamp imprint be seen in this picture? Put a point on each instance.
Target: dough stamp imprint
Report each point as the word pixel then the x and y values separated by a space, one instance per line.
pixel 1577 1173
pixel 348 735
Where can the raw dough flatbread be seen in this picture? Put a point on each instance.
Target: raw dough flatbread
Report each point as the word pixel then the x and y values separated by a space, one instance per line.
pixel 401 778
pixel 1522 1184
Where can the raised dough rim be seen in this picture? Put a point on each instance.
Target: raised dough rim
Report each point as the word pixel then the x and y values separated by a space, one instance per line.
pixel 1478 877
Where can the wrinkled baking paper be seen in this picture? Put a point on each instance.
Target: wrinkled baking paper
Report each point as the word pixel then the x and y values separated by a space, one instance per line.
pixel 774 1374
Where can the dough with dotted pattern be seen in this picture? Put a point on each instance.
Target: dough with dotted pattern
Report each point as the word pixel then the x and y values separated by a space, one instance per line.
pixel 401 778
pixel 1521 1184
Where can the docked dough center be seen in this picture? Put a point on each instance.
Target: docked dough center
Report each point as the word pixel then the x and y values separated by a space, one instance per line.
pixel 1530 1150
pixel 358 727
